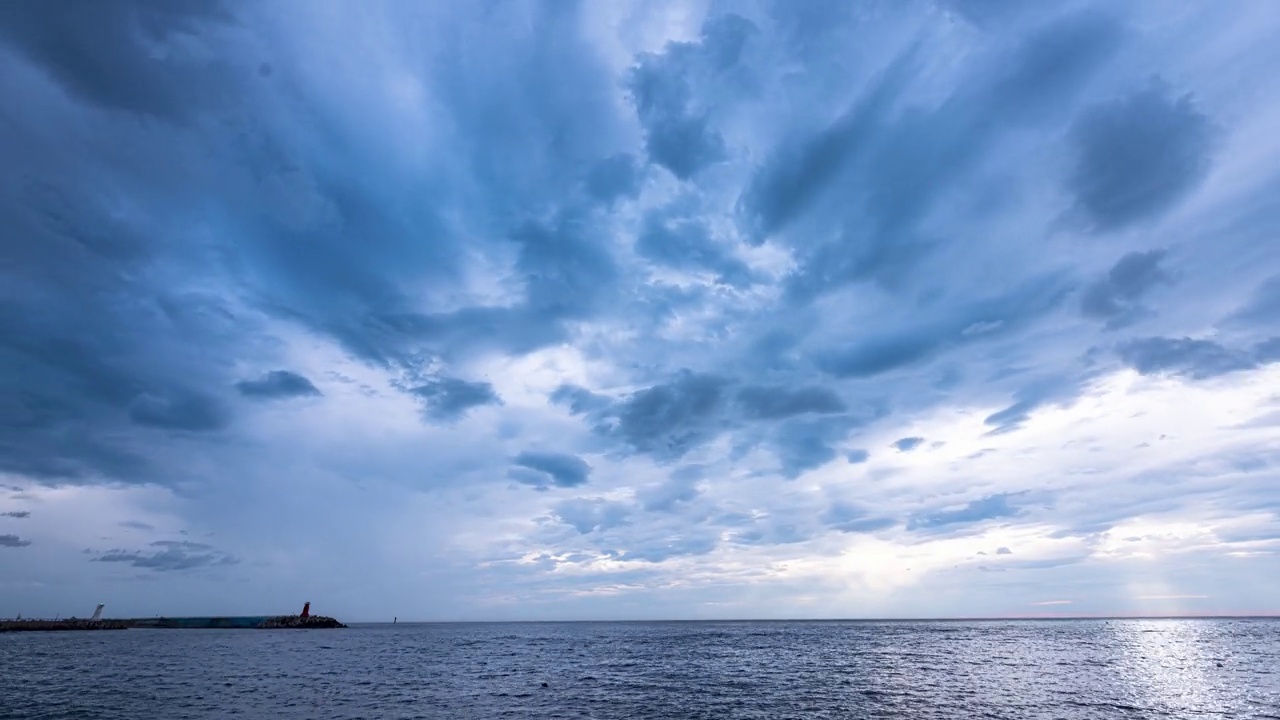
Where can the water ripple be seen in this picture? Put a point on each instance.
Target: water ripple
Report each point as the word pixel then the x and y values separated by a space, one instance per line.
pixel 1032 669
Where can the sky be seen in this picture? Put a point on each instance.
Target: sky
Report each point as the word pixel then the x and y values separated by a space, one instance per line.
pixel 636 310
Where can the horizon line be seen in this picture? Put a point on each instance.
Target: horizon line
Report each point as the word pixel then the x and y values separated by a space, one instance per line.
pixel 1272 615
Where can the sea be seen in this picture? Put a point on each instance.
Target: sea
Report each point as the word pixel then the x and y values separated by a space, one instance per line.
pixel 1192 668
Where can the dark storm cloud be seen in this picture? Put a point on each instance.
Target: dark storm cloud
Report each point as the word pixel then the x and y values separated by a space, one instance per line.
pixel 990 507
pixel 804 443
pixel 178 411
pixel 559 469
pixel 804 168
pixel 836 214
pixel 667 420
pixel 170 555
pixel 20 514
pixel 1115 297
pixel 1197 359
pixel 566 270
pixel 686 243
pixel 449 398
pixel 580 400
pixel 276 385
pixel 273 198
pixel 898 167
pixel 880 355
pixel 670 419
pixel 100 342
pixel 679 134
pixel 87 344
pixel 773 402
pixel 974 322
pixel 1138 155
pixel 536 109
pixel 614 177
pixel 127 55
pixel 13 541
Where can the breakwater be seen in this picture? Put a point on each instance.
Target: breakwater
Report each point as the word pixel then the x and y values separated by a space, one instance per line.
pixel 302 621
pixel 259 622
pixel 311 622
pixel 55 625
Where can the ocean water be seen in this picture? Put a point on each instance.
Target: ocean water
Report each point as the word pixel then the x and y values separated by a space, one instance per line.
pixel 996 669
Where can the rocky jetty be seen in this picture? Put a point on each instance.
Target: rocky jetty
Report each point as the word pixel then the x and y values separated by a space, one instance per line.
pixel 53 625
pixel 309 622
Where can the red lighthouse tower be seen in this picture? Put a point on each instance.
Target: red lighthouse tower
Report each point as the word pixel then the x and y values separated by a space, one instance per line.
pixel 306 610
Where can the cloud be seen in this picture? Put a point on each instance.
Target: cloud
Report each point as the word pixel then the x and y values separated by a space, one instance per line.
pixel 20 514
pixel 1138 155
pixel 170 556
pixel 679 134
pixel 1004 551
pixel 803 169
pixel 448 398
pixel 1032 396
pixel 681 487
pixel 90 50
pixel 1196 359
pixel 903 166
pixel 13 541
pixel 277 384
pixel 805 443
pixel 908 444
pixel 852 519
pixel 614 177
pixel 990 507
pixel 559 469
pixel 977 321
pixel 1264 307
pixel 179 411
pixel 687 244
pixel 1267 351
pixel 580 400
pixel 667 496
pixel 1115 297
pixel 669 419
pixel 774 402
pixel 590 515
pixel 663 549
pixel 716 256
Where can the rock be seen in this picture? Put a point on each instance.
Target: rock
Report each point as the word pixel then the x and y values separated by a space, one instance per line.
pixel 313 622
